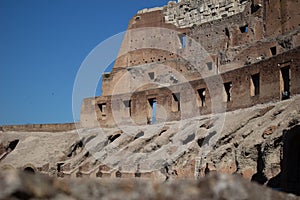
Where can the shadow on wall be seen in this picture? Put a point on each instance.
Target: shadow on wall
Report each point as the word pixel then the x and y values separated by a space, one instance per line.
pixel 259 176
pixel 288 180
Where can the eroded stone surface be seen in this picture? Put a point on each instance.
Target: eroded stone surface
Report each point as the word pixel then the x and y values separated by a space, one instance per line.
pixel 174 150
pixel 17 185
pixel 257 43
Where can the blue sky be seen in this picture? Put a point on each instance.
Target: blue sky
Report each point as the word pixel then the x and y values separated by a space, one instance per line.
pixel 42 45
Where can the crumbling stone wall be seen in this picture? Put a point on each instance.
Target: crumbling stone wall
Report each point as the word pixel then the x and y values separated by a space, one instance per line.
pixel 241 39
pixel 40 127
pixel 257 30
pixel 188 13
pixel 270 88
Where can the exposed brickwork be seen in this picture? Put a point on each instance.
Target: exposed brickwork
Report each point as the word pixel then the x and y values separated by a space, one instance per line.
pixel 269 90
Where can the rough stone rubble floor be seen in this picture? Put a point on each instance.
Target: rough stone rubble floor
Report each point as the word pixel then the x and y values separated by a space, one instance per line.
pixel 152 147
pixel 17 185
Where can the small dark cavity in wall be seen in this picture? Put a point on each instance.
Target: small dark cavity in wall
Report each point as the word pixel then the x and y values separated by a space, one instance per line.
pixel 112 138
pixel 244 29
pixel 140 134
pixel 12 145
pixel 59 165
pixel 273 50
pixel 207 125
pixel 162 131
pixel 75 147
pixel 200 141
pixel 208 137
pixel 29 170
pixel 189 139
pixel 255 7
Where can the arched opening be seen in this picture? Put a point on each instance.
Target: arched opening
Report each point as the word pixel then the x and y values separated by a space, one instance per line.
pixel 29 170
pixel 7 167
pixel 290 178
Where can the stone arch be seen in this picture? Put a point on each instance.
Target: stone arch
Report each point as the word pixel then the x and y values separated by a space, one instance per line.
pixel 7 167
pixel 29 168
pixel 290 177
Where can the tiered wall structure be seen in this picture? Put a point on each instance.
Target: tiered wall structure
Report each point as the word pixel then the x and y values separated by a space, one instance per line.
pixel 251 46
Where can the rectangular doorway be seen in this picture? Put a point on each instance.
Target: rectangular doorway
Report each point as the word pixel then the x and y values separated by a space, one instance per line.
pixel 127 104
pixel 102 108
pixel 285 82
pixel 227 92
pixel 152 111
pixel 175 102
pixel 201 97
pixel 254 85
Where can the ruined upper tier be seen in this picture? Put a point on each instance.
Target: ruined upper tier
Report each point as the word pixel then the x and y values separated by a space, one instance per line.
pixel 189 41
pixel 246 32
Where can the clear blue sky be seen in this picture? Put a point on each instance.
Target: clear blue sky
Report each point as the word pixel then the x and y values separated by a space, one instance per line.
pixel 42 45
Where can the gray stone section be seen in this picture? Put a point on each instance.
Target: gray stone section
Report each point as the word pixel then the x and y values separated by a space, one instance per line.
pixel 187 13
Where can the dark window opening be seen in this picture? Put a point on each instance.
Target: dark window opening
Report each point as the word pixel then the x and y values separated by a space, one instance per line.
pixel 244 29
pixel 151 75
pixel 127 104
pixel 201 94
pixel 182 40
pixel 273 50
pixel 59 166
pixel 152 111
pixel 227 91
pixel 102 108
pixel 285 82
pixel 175 102
pixel 254 85
pixel 209 65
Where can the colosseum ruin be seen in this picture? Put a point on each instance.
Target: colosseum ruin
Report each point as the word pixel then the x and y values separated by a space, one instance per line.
pixel 199 86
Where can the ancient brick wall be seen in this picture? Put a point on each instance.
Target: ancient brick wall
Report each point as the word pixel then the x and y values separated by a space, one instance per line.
pixel 188 13
pixel 248 32
pixel 243 42
pixel 266 76
pixel 39 127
